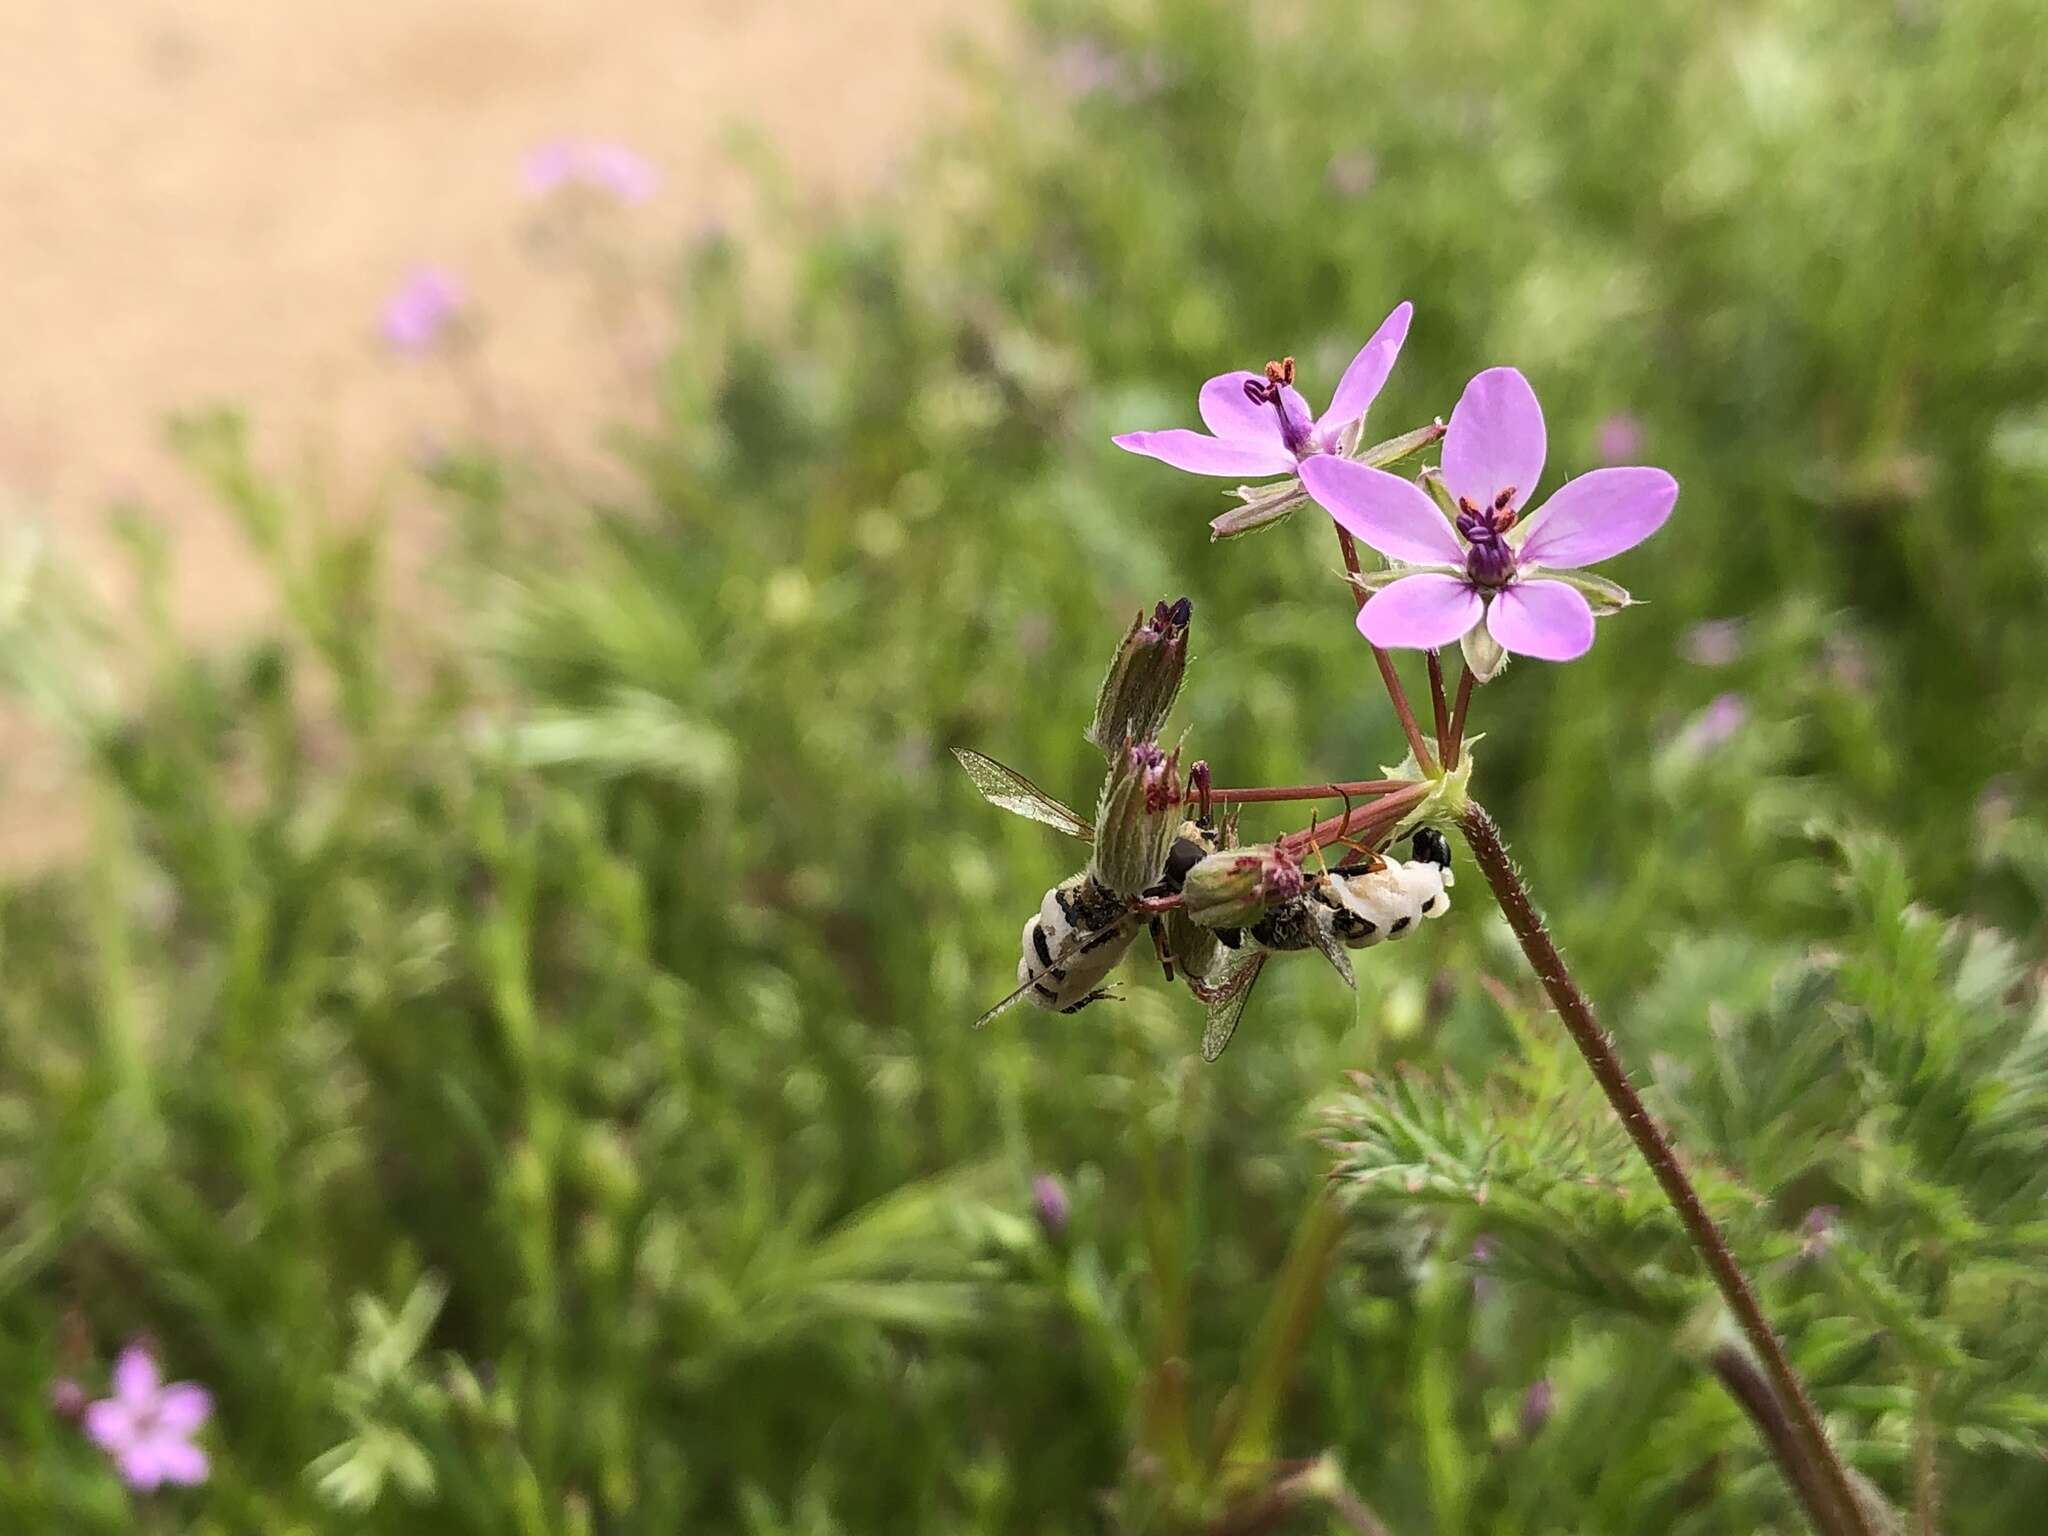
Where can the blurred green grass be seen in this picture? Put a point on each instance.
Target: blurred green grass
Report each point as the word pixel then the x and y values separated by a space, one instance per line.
pixel 594 954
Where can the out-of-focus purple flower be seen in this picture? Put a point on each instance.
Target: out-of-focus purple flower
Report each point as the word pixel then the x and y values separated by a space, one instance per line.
pixel 1817 1232
pixel 1262 426
pixel 1490 568
pixel 1352 173
pixel 1716 643
pixel 147 1426
pixel 67 1398
pixel 1847 660
pixel 600 165
pixel 1050 1205
pixel 1084 66
pixel 1721 719
pixel 1618 439
pixel 419 314
pixel 1538 1404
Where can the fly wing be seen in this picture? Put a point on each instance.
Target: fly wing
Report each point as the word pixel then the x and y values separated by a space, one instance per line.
pixel 1070 949
pixel 1332 951
pixel 1009 789
pixel 1227 1009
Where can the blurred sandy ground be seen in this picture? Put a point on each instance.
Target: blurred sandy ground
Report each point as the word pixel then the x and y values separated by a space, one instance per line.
pixel 210 200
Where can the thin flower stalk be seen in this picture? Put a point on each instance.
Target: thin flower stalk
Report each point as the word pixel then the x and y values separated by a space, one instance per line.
pixel 1845 1514
pixel 1360 823
pixel 1388 675
pixel 1269 794
pixel 1457 744
pixel 1436 699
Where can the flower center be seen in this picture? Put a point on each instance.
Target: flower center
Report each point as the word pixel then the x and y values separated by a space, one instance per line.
pixel 1489 558
pixel 1297 431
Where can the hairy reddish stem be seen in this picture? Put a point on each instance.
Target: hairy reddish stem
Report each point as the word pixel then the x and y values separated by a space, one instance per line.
pixel 1746 1384
pixel 1359 821
pixel 1844 1514
pixel 1283 792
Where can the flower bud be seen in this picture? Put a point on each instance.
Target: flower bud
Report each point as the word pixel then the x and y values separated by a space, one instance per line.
pixel 1143 679
pixel 1817 1232
pixel 1233 889
pixel 1538 1404
pixel 1050 1205
pixel 1137 818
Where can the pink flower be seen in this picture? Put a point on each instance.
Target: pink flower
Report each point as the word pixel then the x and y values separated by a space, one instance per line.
pixel 1717 723
pixel 1490 568
pixel 147 1426
pixel 1618 439
pixel 612 168
pixel 1714 643
pixel 1050 1205
pixel 426 304
pixel 1262 426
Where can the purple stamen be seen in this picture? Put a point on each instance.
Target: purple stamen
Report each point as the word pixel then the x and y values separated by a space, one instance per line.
pixel 1489 558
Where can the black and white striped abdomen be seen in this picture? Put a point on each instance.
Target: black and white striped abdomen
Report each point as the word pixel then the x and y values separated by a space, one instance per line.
pixel 1071 944
pixel 1386 903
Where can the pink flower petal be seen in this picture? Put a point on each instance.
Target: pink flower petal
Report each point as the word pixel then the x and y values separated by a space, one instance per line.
pixel 1393 515
pixel 1544 619
pixel 1598 515
pixel 1228 413
pixel 1203 455
pixel 179 1461
pixel 136 1378
pixel 1421 612
pixel 109 1423
pixel 184 1407
pixel 141 1468
pixel 1495 439
pixel 1367 375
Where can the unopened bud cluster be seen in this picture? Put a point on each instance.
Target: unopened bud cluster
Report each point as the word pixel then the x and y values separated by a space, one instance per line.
pixel 1234 888
pixel 1144 678
pixel 1137 818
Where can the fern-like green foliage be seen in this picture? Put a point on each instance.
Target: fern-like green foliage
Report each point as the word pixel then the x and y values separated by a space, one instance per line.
pixel 1868 1121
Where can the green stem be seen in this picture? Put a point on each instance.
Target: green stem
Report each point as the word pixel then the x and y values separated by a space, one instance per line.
pixel 1844 1514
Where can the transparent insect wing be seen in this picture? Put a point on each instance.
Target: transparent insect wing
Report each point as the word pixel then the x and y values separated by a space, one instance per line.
pixel 1327 945
pixel 1226 1010
pixel 1009 790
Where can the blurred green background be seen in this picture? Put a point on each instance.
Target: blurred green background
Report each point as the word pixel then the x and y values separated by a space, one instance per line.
pixel 515 1054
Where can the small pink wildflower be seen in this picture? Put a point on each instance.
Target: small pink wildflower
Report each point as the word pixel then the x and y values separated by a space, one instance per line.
pixel 1714 643
pixel 623 173
pixel 1050 1205
pixel 1493 456
pixel 1715 724
pixel 1618 439
pixel 1262 426
pixel 426 305
pixel 147 1426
